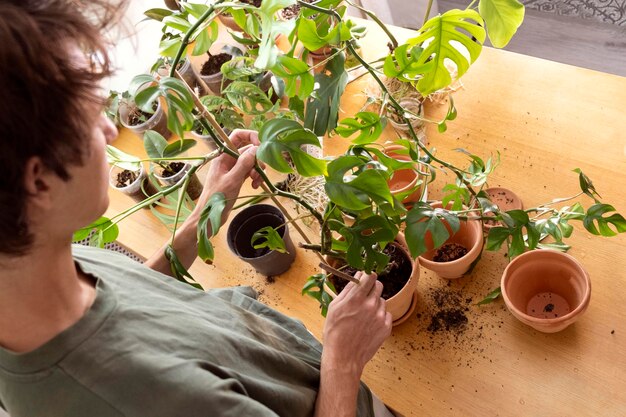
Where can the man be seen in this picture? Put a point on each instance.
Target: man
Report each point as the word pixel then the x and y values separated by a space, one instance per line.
pixel 89 333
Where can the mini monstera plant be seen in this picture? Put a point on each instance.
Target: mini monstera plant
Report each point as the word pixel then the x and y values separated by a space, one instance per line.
pixel 361 216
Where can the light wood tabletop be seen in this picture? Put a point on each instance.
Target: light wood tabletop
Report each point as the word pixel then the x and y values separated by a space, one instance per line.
pixel 545 119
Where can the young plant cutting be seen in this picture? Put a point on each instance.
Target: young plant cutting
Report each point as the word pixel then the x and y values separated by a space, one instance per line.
pixel 366 222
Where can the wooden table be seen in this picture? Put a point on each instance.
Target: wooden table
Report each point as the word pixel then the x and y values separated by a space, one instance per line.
pixel 545 119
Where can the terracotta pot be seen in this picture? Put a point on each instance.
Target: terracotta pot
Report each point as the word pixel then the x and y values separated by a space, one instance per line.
pixel 469 235
pixel 157 122
pixel 403 303
pixel 194 188
pixel 505 200
pixel 405 179
pixel 546 289
pixel 138 190
pixel 249 221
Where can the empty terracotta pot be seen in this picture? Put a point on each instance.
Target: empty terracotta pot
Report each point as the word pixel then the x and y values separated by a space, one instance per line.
pixel 469 235
pixel 249 221
pixel 546 289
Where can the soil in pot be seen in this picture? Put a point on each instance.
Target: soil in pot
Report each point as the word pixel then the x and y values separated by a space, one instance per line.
pixel 137 116
pixel 194 188
pixel 125 181
pixel 214 64
pixel 291 12
pixel 450 252
pixel 255 3
pixel 393 278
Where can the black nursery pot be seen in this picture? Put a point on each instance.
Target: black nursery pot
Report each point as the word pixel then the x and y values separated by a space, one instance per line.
pixel 249 221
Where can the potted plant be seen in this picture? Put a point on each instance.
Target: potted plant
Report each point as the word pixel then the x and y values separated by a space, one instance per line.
pixel 357 182
pixel 259 235
pixel 166 167
pixel 132 182
pixel 140 119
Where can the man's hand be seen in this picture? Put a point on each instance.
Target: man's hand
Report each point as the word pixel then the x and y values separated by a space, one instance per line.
pixel 356 326
pixel 227 174
pixel 357 323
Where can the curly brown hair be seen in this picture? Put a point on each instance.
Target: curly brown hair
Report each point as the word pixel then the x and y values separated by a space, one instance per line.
pixel 43 91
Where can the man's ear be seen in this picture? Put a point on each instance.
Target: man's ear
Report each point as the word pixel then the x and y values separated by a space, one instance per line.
pixel 38 181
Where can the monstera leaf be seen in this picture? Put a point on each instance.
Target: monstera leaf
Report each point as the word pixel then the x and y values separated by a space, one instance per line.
pixel 283 136
pixel 365 240
pixel 292 70
pixel 503 17
pixel 447 36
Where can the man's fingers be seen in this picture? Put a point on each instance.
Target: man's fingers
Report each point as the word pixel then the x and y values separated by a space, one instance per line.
pixel 366 282
pixel 240 137
pixel 244 163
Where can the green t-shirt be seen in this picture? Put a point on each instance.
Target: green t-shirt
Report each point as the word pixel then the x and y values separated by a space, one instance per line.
pixel 152 346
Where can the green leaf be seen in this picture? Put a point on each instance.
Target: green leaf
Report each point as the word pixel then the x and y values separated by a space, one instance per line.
pixel 178 269
pixel 368 124
pixel 322 108
pixel 279 136
pixel 248 97
pixel 314 287
pixel 122 159
pixel 403 63
pixel 445 32
pixel 178 147
pixel 158 14
pixel 366 239
pixel 458 195
pixel 103 232
pixel 595 216
pixel 423 219
pixel 240 68
pixel 211 213
pixel 269 238
pixel 169 47
pixel 314 37
pixel 587 186
pixel 270 29
pixel 503 18
pixel 355 193
pixel 298 80
pixel 203 43
pixel 177 22
pixel 491 297
pixel 296 105
pixel 496 237
pixel 154 144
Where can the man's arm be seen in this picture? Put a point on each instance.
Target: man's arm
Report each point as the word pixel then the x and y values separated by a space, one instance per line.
pixel 356 326
pixel 226 175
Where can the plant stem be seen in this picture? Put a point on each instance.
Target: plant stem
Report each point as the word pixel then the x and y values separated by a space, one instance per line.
pixel 430 5
pixel 321 63
pixel 375 18
pixel 181 199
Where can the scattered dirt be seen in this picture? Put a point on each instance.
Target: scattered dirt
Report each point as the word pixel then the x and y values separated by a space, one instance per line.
pixel 393 278
pixel 214 64
pixel 450 252
pixel 125 178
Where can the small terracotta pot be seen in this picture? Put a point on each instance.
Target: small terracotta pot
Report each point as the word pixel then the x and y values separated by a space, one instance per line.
pixel 157 122
pixel 505 200
pixel 249 221
pixel 194 188
pixel 403 303
pixel 405 179
pixel 138 190
pixel 546 289
pixel 469 235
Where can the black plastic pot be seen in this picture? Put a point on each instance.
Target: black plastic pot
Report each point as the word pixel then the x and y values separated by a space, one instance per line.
pixel 249 221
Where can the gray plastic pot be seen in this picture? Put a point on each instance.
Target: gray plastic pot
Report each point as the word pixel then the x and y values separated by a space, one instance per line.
pixel 245 224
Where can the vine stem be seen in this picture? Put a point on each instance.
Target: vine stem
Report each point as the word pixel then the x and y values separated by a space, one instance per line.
pixel 375 18
pixel 430 5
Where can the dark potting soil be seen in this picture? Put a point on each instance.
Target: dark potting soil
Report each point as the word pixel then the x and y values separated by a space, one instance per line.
pixel 450 252
pixel 393 278
pixel 125 178
pixel 291 12
pixel 214 64
pixel 137 116
pixel 174 168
